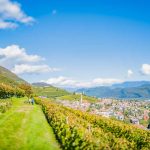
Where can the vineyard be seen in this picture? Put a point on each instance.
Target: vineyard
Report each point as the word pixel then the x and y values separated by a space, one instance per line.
pixel 5 105
pixel 7 91
pixel 75 129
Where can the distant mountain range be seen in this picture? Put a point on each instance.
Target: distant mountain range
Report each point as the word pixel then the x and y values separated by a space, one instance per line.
pixel 135 89
pixel 130 84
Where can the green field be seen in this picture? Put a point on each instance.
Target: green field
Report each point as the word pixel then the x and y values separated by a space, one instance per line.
pixel 24 127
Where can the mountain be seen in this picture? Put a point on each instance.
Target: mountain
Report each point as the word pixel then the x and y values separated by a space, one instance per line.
pixel 47 90
pixel 39 88
pixel 125 90
pixel 130 84
pixel 6 76
pixel 136 89
pixel 41 84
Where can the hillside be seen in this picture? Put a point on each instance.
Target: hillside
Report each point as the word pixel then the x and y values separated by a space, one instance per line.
pixel 44 89
pixel 8 77
pixel 40 89
pixel 49 91
pixel 77 97
pixel 142 91
pixel 77 129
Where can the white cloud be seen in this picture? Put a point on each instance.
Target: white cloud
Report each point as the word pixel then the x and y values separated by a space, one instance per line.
pixel 69 82
pixel 130 73
pixel 18 54
pixel 11 14
pixel 60 81
pixel 106 81
pixel 4 25
pixel 19 61
pixel 32 69
pixel 145 70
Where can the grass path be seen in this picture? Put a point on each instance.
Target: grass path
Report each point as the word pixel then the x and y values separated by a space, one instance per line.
pixel 24 127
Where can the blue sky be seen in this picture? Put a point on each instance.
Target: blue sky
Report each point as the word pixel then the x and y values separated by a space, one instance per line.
pixel 80 43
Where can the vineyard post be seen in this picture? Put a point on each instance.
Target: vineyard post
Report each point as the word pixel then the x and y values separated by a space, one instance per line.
pixel 89 128
pixel 67 120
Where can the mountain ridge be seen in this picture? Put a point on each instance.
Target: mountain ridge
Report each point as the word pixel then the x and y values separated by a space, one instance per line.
pixel 135 89
pixel 8 77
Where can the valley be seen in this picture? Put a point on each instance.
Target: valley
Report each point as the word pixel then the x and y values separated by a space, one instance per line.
pixel 63 120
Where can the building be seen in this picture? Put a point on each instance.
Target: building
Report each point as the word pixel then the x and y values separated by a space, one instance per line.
pixel 135 121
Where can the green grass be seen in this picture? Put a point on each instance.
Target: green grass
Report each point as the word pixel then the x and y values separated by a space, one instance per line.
pixel 24 127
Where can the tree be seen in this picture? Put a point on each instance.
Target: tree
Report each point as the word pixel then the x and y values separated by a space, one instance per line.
pixel 27 88
pixel 6 91
pixel 20 92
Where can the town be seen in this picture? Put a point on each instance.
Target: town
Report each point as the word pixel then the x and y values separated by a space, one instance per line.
pixel 136 112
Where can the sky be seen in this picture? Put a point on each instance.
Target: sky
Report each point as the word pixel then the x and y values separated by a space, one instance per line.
pixel 76 43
